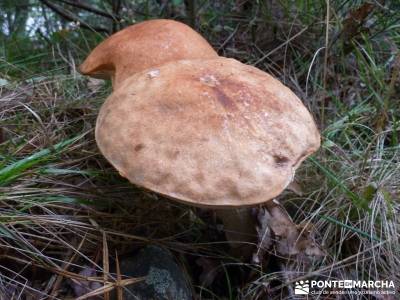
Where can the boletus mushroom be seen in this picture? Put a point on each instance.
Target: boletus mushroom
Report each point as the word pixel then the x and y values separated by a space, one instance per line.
pixel 144 45
pixel 209 132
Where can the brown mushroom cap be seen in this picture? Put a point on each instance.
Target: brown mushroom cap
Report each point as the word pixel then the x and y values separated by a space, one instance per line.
pixel 144 45
pixel 208 132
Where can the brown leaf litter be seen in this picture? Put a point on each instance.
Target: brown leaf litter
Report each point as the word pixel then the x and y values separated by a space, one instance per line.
pixel 288 240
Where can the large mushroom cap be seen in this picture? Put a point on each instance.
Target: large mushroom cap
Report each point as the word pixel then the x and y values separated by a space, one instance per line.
pixel 208 132
pixel 144 45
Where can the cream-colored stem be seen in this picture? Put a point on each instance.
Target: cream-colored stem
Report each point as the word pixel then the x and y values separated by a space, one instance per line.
pixel 240 231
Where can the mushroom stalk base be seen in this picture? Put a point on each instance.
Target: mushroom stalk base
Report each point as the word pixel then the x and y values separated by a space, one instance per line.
pixel 240 231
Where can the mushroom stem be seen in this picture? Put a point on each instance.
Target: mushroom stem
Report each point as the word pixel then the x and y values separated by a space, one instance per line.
pixel 240 231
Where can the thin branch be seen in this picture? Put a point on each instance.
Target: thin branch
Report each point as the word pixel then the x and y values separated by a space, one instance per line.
pixel 91 9
pixel 71 17
pixel 280 46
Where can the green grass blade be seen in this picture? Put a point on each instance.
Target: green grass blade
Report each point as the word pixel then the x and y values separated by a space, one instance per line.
pixel 15 170
pixel 353 229
pixel 357 200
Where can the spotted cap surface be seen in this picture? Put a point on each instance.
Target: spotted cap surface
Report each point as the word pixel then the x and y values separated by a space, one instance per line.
pixel 207 132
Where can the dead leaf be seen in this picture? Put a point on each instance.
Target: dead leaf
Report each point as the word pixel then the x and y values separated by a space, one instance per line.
pixel 295 188
pixel 362 12
pixel 353 25
pixel 292 240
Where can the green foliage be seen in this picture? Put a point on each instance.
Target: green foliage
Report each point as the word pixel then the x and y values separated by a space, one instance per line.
pixel 17 169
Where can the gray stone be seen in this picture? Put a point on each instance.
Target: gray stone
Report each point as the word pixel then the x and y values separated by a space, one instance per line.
pixel 164 278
